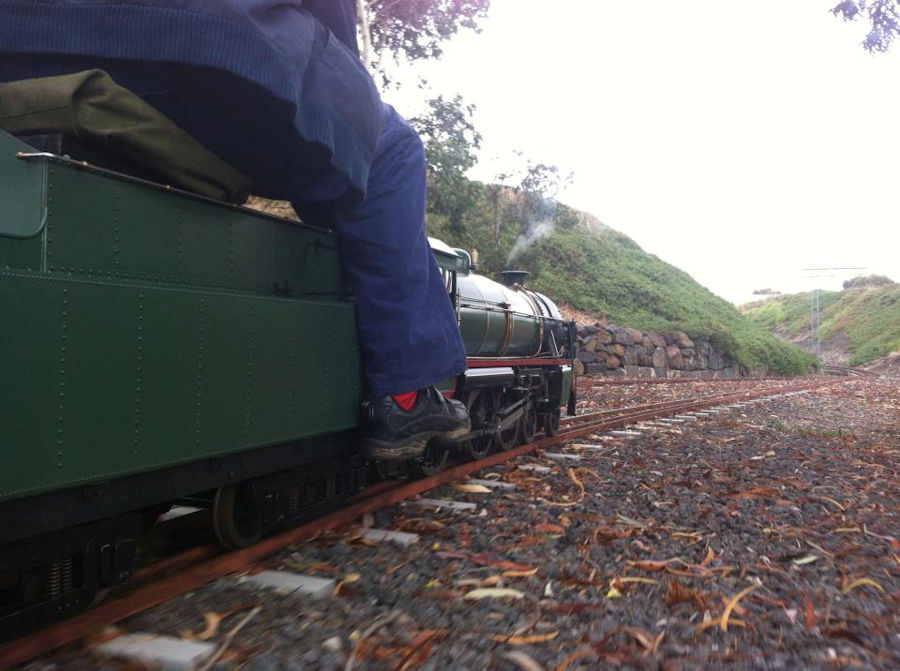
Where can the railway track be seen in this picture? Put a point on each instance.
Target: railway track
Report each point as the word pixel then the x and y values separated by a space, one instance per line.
pixel 193 568
pixel 849 371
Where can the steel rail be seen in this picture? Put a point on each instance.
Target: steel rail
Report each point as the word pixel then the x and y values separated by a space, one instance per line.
pixel 718 397
pixel 30 646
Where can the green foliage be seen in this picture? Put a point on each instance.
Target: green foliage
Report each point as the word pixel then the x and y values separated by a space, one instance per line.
pixel 870 318
pixel 789 313
pixel 451 142
pixel 867 313
pixel 868 281
pixel 416 29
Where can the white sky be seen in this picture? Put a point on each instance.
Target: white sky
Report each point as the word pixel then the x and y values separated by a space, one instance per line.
pixel 739 141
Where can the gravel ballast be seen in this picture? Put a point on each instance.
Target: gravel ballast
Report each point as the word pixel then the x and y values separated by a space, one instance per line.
pixel 761 537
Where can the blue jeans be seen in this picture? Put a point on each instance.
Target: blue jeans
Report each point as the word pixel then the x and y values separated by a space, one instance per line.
pixel 407 327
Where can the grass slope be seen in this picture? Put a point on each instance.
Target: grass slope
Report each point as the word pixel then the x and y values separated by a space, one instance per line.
pixel 867 314
pixel 575 259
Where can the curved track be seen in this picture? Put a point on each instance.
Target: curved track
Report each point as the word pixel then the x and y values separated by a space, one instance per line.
pixel 194 568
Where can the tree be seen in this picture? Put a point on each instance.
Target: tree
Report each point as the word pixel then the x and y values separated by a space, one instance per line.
pixel 414 29
pixel 882 15
pixel 451 142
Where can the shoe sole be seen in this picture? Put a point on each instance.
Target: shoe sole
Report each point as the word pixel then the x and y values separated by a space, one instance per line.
pixel 410 448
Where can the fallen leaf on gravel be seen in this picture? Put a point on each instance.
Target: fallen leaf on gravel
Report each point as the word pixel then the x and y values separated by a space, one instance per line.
pixel 809 613
pixel 524 640
pixel 646 581
pixel 420 648
pixel 470 489
pixel 829 500
pixel 723 623
pixel 808 559
pixel 549 529
pixel 677 592
pixel 494 593
pixel 859 582
pixel 630 521
pixel 349 578
pixel 649 642
pixel 578 654
pixel 523 661
pixel 696 535
pixel 703 626
pixel 651 565
pixel 608 532
pixel 480 560
pixel 490 581
pixel 758 493
pixel 519 574
pixel 213 620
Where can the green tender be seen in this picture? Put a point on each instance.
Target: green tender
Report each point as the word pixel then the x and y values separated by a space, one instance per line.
pixel 144 328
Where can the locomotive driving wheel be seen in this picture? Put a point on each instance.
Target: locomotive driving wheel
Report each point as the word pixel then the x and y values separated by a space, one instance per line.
pixel 235 516
pixel 507 438
pixel 482 408
pixel 529 423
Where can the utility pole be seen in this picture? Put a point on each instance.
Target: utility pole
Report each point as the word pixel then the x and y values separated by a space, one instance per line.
pixel 815 343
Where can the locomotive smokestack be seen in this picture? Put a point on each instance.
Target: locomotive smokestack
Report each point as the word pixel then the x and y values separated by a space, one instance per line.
pixel 511 277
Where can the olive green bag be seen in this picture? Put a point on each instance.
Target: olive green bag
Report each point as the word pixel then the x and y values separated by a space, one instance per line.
pixel 91 108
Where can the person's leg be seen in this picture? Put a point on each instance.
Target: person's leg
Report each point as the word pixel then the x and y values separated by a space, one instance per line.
pixel 407 327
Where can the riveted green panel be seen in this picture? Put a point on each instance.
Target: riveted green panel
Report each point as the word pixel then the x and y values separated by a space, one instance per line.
pixel 21 253
pixel 144 329
pixel 117 228
pixel 115 378
pixel 22 186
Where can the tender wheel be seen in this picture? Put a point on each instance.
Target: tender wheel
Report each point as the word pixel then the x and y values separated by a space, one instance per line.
pixel 235 517
pixel 551 423
pixel 529 423
pixel 482 408
pixel 433 461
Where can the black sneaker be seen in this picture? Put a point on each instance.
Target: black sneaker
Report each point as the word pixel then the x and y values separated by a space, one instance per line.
pixel 392 433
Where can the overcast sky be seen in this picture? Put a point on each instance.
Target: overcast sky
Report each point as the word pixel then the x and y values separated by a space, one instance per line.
pixel 740 141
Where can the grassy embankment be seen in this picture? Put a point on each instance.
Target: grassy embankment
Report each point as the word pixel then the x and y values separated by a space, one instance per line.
pixel 579 261
pixel 867 313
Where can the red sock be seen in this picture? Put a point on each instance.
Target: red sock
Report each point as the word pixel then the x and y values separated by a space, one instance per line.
pixel 406 401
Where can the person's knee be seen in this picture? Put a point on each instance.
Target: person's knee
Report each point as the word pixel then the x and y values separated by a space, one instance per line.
pixel 401 139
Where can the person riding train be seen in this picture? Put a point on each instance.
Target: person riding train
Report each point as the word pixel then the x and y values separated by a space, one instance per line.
pixel 277 90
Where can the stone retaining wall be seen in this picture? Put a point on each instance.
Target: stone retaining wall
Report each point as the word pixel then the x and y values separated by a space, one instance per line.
pixel 620 351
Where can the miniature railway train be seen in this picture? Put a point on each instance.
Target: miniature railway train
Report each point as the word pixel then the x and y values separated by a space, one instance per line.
pixel 158 346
